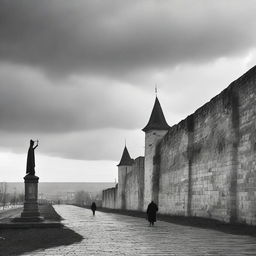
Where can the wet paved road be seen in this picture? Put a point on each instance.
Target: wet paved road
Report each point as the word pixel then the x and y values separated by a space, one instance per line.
pixel 113 234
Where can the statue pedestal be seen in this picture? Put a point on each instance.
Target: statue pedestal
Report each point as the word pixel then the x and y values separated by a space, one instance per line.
pixel 30 211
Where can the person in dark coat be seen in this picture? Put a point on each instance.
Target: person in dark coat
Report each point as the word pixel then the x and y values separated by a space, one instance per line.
pixel 151 213
pixel 93 208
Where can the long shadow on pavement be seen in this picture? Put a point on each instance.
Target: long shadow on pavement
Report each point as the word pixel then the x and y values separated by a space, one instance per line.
pixel 18 241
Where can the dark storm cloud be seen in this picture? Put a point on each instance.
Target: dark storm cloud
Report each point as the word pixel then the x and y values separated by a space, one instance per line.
pixel 29 102
pixel 104 144
pixel 122 37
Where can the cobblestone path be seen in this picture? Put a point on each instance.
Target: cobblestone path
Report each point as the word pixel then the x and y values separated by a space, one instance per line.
pixel 113 234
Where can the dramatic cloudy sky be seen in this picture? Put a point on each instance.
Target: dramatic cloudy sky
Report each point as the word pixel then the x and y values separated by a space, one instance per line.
pixel 80 75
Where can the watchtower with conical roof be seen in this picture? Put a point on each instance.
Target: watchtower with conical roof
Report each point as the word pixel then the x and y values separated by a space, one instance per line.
pixel 124 167
pixel 155 130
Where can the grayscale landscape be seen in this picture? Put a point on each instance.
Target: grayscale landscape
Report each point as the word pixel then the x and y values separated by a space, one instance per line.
pixel 127 127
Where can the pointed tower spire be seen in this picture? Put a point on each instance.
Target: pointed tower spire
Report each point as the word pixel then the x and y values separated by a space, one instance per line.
pixel 157 120
pixel 125 159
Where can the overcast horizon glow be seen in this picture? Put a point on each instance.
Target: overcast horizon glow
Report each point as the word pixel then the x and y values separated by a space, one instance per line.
pixel 80 76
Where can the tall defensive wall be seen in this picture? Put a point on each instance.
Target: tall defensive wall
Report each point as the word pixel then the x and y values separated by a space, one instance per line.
pixel 206 164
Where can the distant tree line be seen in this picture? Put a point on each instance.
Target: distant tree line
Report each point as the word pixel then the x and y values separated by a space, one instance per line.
pixel 84 198
pixel 7 198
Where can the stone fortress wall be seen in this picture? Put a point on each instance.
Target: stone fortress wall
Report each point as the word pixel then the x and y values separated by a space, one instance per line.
pixel 128 196
pixel 204 166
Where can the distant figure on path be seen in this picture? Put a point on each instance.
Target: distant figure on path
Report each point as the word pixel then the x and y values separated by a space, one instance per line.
pixel 31 158
pixel 151 213
pixel 93 208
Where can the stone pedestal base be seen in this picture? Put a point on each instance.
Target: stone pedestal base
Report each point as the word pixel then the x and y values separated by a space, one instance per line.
pixel 30 211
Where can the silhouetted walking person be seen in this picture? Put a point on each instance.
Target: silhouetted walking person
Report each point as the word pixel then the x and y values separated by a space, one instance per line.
pixel 151 212
pixel 93 208
pixel 31 158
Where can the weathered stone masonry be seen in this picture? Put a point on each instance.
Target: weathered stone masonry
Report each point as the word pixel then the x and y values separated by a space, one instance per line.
pixel 203 166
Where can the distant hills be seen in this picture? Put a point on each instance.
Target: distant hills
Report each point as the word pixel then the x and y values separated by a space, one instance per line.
pixel 55 188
